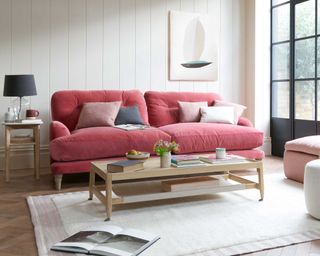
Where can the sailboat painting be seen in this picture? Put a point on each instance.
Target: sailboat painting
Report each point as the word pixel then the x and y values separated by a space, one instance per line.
pixel 193 51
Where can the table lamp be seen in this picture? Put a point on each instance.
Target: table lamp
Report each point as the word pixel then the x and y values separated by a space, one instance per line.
pixel 19 86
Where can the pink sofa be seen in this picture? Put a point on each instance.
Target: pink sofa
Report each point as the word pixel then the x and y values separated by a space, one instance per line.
pixel 72 150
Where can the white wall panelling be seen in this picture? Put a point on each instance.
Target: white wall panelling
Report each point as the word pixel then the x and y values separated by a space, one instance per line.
pixel 40 61
pixel 111 44
pixel 158 45
pixel 77 44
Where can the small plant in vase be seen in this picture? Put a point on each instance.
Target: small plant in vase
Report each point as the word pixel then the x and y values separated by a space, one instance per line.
pixel 164 148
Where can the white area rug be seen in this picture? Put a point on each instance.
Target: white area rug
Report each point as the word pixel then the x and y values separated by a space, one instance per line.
pixel 230 223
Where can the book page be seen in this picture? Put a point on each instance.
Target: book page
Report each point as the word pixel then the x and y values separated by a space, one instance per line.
pixel 74 246
pixel 105 228
pixel 105 250
pixel 131 127
pixel 138 234
pixel 123 243
pixel 89 238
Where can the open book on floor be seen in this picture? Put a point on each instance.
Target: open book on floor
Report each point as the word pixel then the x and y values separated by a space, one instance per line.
pixel 107 240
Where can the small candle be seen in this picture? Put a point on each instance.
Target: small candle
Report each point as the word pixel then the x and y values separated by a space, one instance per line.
pixel 221 153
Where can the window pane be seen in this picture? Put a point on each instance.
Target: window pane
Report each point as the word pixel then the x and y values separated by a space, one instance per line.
pixel 318 91
pixel 318 57
pixel 304 58
pixel 280 23
pixel 318 15
pixel 280 99
pixel 280 61
pixel 305 19
pixel 275 2
pixel 304 100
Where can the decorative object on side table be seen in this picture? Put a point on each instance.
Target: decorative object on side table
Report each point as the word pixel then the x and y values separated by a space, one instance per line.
pixel 164 148
pixel 32 114
pixel 19 86
pixel 10 116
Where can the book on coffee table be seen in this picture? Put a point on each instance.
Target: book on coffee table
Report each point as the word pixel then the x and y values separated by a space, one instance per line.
pixel 228 159
pixel 125 166
pixel 107 240
pixel 179 160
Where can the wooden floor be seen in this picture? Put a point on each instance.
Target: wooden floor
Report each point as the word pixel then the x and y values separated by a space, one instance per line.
pixel 16 230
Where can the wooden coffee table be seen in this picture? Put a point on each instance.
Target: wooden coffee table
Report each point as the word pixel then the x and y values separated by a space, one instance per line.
pixel 152 171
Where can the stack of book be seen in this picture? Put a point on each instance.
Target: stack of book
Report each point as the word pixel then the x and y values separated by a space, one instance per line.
pixel 125 166
pixel 181 161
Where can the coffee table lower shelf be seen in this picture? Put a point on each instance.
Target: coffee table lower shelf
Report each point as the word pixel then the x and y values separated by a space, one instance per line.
pixel 109 198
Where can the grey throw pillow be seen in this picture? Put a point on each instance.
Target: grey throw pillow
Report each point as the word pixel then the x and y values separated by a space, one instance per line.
pixel 129 115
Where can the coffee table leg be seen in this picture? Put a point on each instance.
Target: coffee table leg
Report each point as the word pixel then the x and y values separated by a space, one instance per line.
pixel 92 181
pixel 261 182
pixel 108 196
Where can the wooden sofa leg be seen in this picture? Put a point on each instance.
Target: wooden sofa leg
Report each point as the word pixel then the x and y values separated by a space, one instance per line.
pixel 58 180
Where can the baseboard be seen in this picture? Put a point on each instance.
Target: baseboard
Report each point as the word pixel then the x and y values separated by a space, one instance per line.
pixel 22 157
pixel 266 147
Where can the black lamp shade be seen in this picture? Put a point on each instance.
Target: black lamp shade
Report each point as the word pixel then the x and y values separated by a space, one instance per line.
pixel 19 86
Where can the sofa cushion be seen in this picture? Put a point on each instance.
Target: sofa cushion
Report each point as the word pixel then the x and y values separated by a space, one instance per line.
pixel 190 111
pixel 102 142
pixel 217 115
pixel 238 109
pixel 66 105
pixel 202 137
pixel 163 106
pixel 129 115
pixel 98 114
pixel 309 145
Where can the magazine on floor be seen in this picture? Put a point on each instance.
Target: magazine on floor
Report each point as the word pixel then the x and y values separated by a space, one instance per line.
pixel 107 240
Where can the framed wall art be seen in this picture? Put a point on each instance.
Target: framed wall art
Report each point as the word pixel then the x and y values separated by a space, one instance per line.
pixel 193 47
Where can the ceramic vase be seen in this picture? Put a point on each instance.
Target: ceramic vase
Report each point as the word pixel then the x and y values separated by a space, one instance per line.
pixel 165 160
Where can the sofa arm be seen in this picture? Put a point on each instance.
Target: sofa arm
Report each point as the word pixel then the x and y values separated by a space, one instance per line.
pixel 245 122
pixel 58 129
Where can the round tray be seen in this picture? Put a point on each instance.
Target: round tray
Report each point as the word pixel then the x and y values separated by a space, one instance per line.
pixel 143 156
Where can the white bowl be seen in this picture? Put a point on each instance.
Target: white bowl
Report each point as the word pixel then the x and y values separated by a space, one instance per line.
pixel 142 156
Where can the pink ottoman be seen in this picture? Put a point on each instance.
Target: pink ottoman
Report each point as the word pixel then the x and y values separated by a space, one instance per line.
pixel 298 153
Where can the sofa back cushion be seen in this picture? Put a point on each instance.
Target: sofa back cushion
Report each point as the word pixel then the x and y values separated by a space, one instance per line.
pixel 163 106
pixel 66 105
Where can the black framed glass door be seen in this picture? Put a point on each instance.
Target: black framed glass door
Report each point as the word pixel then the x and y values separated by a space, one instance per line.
pixel 294 71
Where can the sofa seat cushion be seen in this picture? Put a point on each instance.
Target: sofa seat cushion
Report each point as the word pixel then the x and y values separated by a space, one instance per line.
pixel 202 137
pixel 309 145
pixel 102 142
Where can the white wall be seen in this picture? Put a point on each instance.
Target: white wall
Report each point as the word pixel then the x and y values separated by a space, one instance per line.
pixel 258 67
pixel 110 44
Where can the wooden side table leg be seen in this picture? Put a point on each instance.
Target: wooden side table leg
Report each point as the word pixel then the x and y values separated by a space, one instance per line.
pixel 108 196
pixel 36 134
pixel 7 153
pixel 261 182
pixel 92 182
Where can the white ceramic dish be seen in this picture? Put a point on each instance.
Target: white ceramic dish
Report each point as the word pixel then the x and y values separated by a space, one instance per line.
pixel 142 156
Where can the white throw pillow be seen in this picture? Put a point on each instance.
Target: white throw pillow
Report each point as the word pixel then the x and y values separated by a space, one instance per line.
pixel 238 109
pixel 217 115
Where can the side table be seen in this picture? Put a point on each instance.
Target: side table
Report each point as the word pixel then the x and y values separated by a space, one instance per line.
pixel 11 141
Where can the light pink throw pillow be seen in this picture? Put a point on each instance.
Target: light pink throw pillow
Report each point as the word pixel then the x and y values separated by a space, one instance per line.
pixel 190 111
pixel 98 114
pixel 238 109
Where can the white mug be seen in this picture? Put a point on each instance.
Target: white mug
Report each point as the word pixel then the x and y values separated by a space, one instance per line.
pixel 221 153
